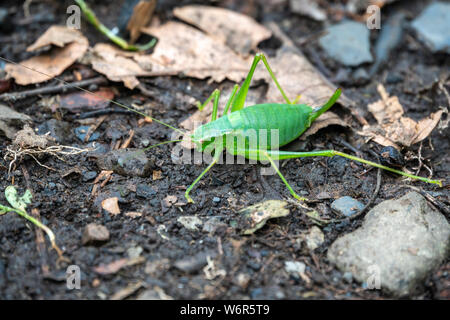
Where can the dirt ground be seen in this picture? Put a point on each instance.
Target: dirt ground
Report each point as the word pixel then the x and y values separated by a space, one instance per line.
pixel 66 205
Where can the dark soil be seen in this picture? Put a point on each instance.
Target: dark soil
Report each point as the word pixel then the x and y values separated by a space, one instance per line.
pixel 66 205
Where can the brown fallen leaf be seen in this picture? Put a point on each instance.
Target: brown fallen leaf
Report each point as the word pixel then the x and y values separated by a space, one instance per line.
pixel 117 65
pixel 393 129
pixel 142 14
pixel 186 50
pixel 239 32
pixel 70 46
pixel 111 205
pixel 325 120
pixel 75 102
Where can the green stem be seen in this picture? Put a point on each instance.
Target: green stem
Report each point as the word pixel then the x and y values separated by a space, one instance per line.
pixel 92 18
pixel 48 231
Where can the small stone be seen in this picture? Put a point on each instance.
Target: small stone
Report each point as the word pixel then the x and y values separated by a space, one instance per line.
pixel 314 238
pixel 145 191
pixel 190 222
pixel 242 280
pixel 433 26
pixel 216 199
pixel 398 245
pixel 295 268
pixel 360 76
pixel 95 234
pixel 347 206
pixel 211 225
pixel 9 119
pixel 255 217
pixel 111 205
pixel 348 277
pixel 82 131
pixel 193 264
pixel 134 252
pixel 126 162
pixel 89 175
pixel 348 43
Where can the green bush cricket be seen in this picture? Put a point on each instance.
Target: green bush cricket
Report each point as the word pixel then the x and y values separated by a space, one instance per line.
pixel 289 119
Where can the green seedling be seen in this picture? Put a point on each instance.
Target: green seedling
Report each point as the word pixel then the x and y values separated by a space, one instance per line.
pixel 290 120
pixel 92 18
pixel 19 205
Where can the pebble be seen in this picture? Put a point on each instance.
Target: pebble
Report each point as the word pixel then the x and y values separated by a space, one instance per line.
pixel 95 234
pixel 81 132
pixel 294 268
pixel 255 217
pixel 347 206
pixel 216 199
pixel 433 26
pixel 190 222
pixel 348 43
pixel 399 244
pixel 126 162
pixel 212 224
pixel 89 175
pixel 10 117
pixel 242 280
pixel 193 264
pixel 145 191
pixel 314 238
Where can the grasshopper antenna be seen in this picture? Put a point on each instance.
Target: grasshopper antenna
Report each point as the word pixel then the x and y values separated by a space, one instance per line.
pixel 96 95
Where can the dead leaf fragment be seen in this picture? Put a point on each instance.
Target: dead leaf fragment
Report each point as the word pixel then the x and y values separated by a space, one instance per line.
pixel 325 120
pixel 117 65
pixel 71 45
pixel 186 50
pixel 142 14
pixel 238 31
pixel 111 205
pixel 75 102
pixel 393 129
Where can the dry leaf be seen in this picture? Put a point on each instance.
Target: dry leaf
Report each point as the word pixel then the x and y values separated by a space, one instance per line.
pixel 142 14
pixel 111 205
pixel 117 65
pixel 393 129
pixel 239 32
pixel 71 46
pixel 186 50
pixel 325 120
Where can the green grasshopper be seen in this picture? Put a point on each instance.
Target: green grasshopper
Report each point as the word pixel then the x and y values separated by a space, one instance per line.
pixel 290 120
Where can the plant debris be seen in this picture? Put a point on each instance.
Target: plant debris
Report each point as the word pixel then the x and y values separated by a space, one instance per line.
pixel 70 46
pixel 393 129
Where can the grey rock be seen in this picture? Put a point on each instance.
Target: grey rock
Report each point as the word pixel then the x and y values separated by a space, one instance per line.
pixel 347 206
pixel 348 43
pixel 9 119
pixel 81 132
pixel 314 238
pixel 295 268
pixel 60 130
pixel 126 162
pixel 212 224
pixel 433 26
pixel 401 241
pixel 194 263
pixel 145 191
pixel 89 175
pixel 190 222
pixel 95 234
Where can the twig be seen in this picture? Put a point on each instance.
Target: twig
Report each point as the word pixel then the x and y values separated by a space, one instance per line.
pixel 52 89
